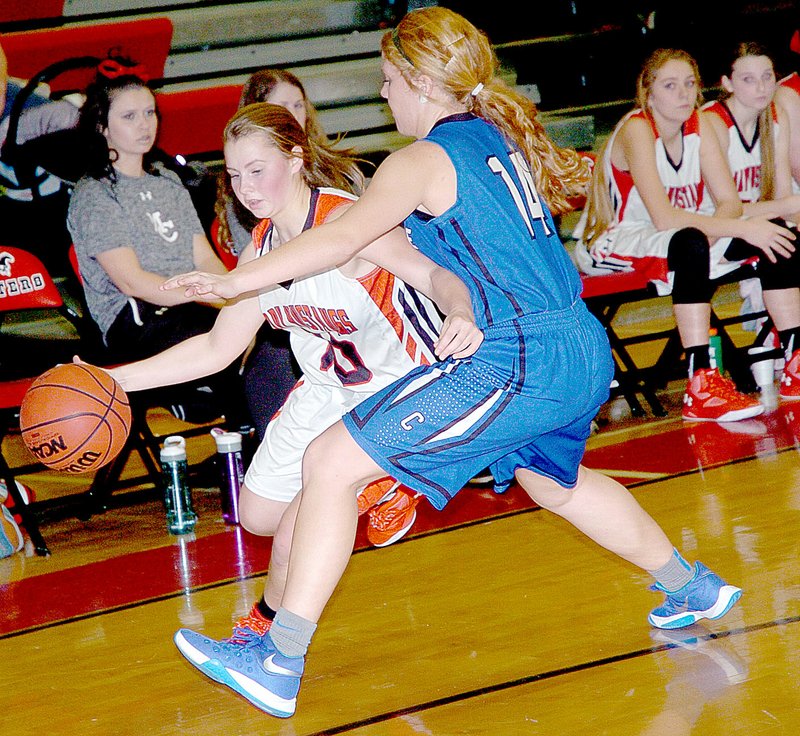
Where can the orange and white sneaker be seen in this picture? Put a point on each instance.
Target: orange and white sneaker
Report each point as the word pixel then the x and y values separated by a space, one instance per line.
pixel 391 520
pixel 790 380
pixel 377 491
pixel 710 397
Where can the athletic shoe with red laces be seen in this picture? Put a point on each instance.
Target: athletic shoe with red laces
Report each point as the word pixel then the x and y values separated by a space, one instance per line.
pixel 710 397
pixel 374 493
pixel 249 627
pixel 391 520
pixel 790 380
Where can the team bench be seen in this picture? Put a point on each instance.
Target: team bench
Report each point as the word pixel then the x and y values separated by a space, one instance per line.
pixel 605 295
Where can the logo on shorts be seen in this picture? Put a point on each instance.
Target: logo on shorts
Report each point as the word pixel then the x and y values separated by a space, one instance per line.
pixel 417 417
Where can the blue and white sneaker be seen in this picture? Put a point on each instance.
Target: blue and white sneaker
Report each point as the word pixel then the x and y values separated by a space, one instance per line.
pixel 256 670
pixel 706 596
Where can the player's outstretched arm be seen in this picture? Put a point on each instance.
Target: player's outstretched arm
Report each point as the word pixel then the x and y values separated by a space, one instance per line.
pixel 395 191
pixel 197 356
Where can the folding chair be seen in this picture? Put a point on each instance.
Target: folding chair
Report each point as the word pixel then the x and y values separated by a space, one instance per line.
pixel 25 286
pixel 604 296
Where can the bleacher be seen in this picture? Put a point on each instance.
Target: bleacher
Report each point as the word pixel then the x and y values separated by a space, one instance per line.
pixel 333 47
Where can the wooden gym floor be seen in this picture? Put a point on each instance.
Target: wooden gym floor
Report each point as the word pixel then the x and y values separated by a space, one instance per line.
pixel 492 617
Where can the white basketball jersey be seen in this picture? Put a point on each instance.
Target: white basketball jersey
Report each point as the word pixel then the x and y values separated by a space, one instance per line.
pixel 744 157
pixel 682 179
pixel 360 334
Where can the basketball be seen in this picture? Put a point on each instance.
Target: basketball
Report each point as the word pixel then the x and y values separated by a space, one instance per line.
pixel 75 418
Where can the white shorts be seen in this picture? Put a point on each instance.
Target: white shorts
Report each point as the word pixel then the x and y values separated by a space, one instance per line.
pixel 276 469
pixel 614 250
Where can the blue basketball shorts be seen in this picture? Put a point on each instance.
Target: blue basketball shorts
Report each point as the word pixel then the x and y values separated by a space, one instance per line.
pixel 525 399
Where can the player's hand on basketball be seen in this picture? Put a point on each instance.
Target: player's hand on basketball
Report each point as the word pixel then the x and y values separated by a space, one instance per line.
pixel 460 337
pixel 77 360
pixel 198 284
pixel 774 240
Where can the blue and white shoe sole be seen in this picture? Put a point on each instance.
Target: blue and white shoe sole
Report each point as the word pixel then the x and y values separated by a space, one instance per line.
pixel 261 697
pixel 256 694
pixel 210 667
pixel 728 595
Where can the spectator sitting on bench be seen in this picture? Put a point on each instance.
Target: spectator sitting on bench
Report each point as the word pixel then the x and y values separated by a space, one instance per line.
pixel 133 225
pixel 663 200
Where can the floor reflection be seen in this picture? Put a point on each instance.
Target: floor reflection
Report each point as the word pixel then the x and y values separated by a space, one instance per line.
pixel 703 667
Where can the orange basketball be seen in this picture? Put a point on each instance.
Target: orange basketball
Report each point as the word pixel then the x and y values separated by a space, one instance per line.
pixel 75 418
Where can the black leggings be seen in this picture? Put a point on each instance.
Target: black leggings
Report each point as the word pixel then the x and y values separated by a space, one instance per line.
pixel 687 258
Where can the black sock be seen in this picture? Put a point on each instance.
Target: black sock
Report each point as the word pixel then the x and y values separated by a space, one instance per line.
pixel 698 357
pixel 265 610
pixel 790 340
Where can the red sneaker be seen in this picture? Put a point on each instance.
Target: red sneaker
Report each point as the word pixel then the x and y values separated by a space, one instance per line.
pixel 375 492
pixel 790 380
pixel 710 397
pixel 391 520
pixel 791 416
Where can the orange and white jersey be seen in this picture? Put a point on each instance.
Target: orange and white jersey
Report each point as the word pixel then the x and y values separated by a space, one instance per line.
pixel 681 179
pixel 360 334
pixel 744 157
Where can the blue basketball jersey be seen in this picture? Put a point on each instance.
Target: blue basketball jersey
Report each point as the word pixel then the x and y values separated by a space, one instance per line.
pixel 499 236
pixel 527 396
